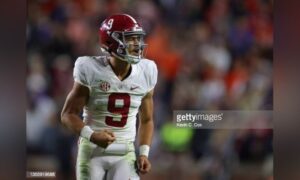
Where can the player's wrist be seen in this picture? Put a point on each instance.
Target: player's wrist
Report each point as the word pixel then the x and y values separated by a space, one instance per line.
pixel 144 150
pixel 86 132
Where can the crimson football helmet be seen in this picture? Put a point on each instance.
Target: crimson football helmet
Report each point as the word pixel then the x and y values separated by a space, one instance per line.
pixel 112 34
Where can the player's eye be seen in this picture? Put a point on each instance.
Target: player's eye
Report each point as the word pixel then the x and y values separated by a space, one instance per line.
pixel 133 38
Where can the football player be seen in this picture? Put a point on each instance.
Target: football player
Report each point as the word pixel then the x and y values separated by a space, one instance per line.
pixel 111 90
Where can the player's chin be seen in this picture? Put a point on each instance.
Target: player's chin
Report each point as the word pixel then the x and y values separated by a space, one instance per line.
pixel 144 171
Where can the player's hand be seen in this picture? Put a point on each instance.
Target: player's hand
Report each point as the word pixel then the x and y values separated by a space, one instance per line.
pixel 103 138
pixel 144 164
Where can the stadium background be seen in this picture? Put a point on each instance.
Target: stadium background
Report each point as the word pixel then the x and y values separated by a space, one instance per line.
pixel 211 55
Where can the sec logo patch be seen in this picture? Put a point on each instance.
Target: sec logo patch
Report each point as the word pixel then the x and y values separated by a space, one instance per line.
pixel 104 86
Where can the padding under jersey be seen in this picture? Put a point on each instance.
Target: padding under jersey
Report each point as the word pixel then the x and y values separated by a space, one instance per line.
pixel 113 104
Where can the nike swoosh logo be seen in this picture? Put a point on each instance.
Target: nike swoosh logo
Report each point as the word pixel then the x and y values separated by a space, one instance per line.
pixel 133 88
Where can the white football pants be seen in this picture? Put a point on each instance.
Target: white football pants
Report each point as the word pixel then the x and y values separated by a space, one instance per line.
pixel 117 162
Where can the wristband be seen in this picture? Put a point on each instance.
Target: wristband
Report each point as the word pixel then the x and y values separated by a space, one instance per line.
pixel 86 132
pixel 144 150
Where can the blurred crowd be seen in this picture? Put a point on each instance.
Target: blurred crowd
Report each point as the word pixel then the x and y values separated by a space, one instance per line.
pixel 211 55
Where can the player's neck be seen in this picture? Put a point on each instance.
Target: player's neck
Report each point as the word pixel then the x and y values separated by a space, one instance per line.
pixel 120 68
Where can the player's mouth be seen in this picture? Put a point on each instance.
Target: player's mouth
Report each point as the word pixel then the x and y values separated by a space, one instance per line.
pixel 136 52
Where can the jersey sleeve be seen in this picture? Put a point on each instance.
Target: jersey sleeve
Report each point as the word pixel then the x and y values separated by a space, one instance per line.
pixel 80 72
pixel 152 76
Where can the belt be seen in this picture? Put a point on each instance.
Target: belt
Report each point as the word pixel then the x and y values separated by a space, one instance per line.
pixel 116 148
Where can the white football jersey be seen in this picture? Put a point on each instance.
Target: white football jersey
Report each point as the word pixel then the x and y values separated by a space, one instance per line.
pixel 114 104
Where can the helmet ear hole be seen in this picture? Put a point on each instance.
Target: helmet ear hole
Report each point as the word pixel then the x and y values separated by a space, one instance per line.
pixel 119 50
pixel 122 46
